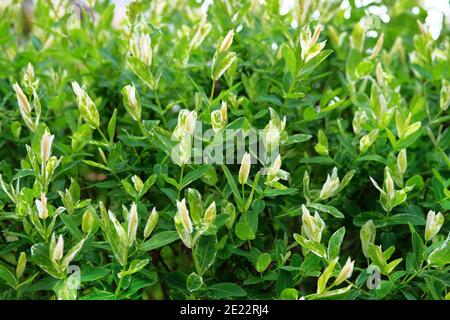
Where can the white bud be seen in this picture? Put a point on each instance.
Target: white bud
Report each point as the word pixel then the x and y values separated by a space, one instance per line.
pixel 29 79
pixel 402 161
pixel 30 72
pixel 202 31
pixel 434 224
pixel 315 35
pixel 378 46
pixel 138 184
pixel 389 184
pixel 330 186
pixel 379 74
pixel 24 107
pixel 367 140
pixel 219 118
pixel 359 119
pixel 272 136
pixel 186 124
pixel 132 224
pixel 346 272
pixel 21 264
pixel 141 48
pixel 86 106
pixel 46 145
pixel 313 226
pixel 210 213
pixel 22 100
pixel 77 89
pixel 151 223
pixel 272 172
pixel 59 249
pixel 183 224
pixel 41 206
pixel 310 47
pixel 244 170
pixel 87 221
pixel 444 100
pixel 227 41
pixel 131 102
pixel 184 215
pixel 367 236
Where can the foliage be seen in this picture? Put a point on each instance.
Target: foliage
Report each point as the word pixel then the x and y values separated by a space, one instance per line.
pixel 93 205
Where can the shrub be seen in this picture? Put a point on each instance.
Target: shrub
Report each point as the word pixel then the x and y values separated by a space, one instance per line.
pixel 110 188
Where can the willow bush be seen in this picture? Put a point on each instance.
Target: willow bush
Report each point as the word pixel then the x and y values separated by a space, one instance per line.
pixel 101 197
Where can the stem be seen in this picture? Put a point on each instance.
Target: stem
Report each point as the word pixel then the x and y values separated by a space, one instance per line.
pixel 243 198
pixel 219 191
pixel 160 108
pixel 356 287
pixel 103 136
pixel 405 281
pixel 212 93
pixel 142 129
pixel 44 178
pixel 231 237
pixel 121 280
pixel 181 180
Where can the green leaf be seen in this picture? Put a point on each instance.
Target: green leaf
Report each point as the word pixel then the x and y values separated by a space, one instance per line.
pixel 39 254
pixel 323 279
pixel 112 126
pixel 280 192
pixel 289 59
pixel 193 175
pixel 334 244
pixel 444 278
pixel 71 226
pixel 298 138
pixel 418 247
pixel 441 255
pixel 284 281
pixel 263 262
pixel 222 61
pixel 331 294
pixel 135 266
pixel 159 240
pixel 93 273
pixel 233 186
pixel 99 295
pixel 64 291
pixel 346 180
pixel 405 218
pixel 314 63
pixel 289 294
pixel 8 276
pixel 244 231
pixel 372 157
pixel 315 247
pixel 205 253
pixel 194 282
pixel 97 165
pixel 328 209
pixel 225 290
pixel 377 218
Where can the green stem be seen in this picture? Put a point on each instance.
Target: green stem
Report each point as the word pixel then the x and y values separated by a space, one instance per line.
pixel 243 200
pixel 142 129
pixel 212 93
pixel 158 103
pixel 44 178
pixel 103 136
pixel 180 182
pixel 121 280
